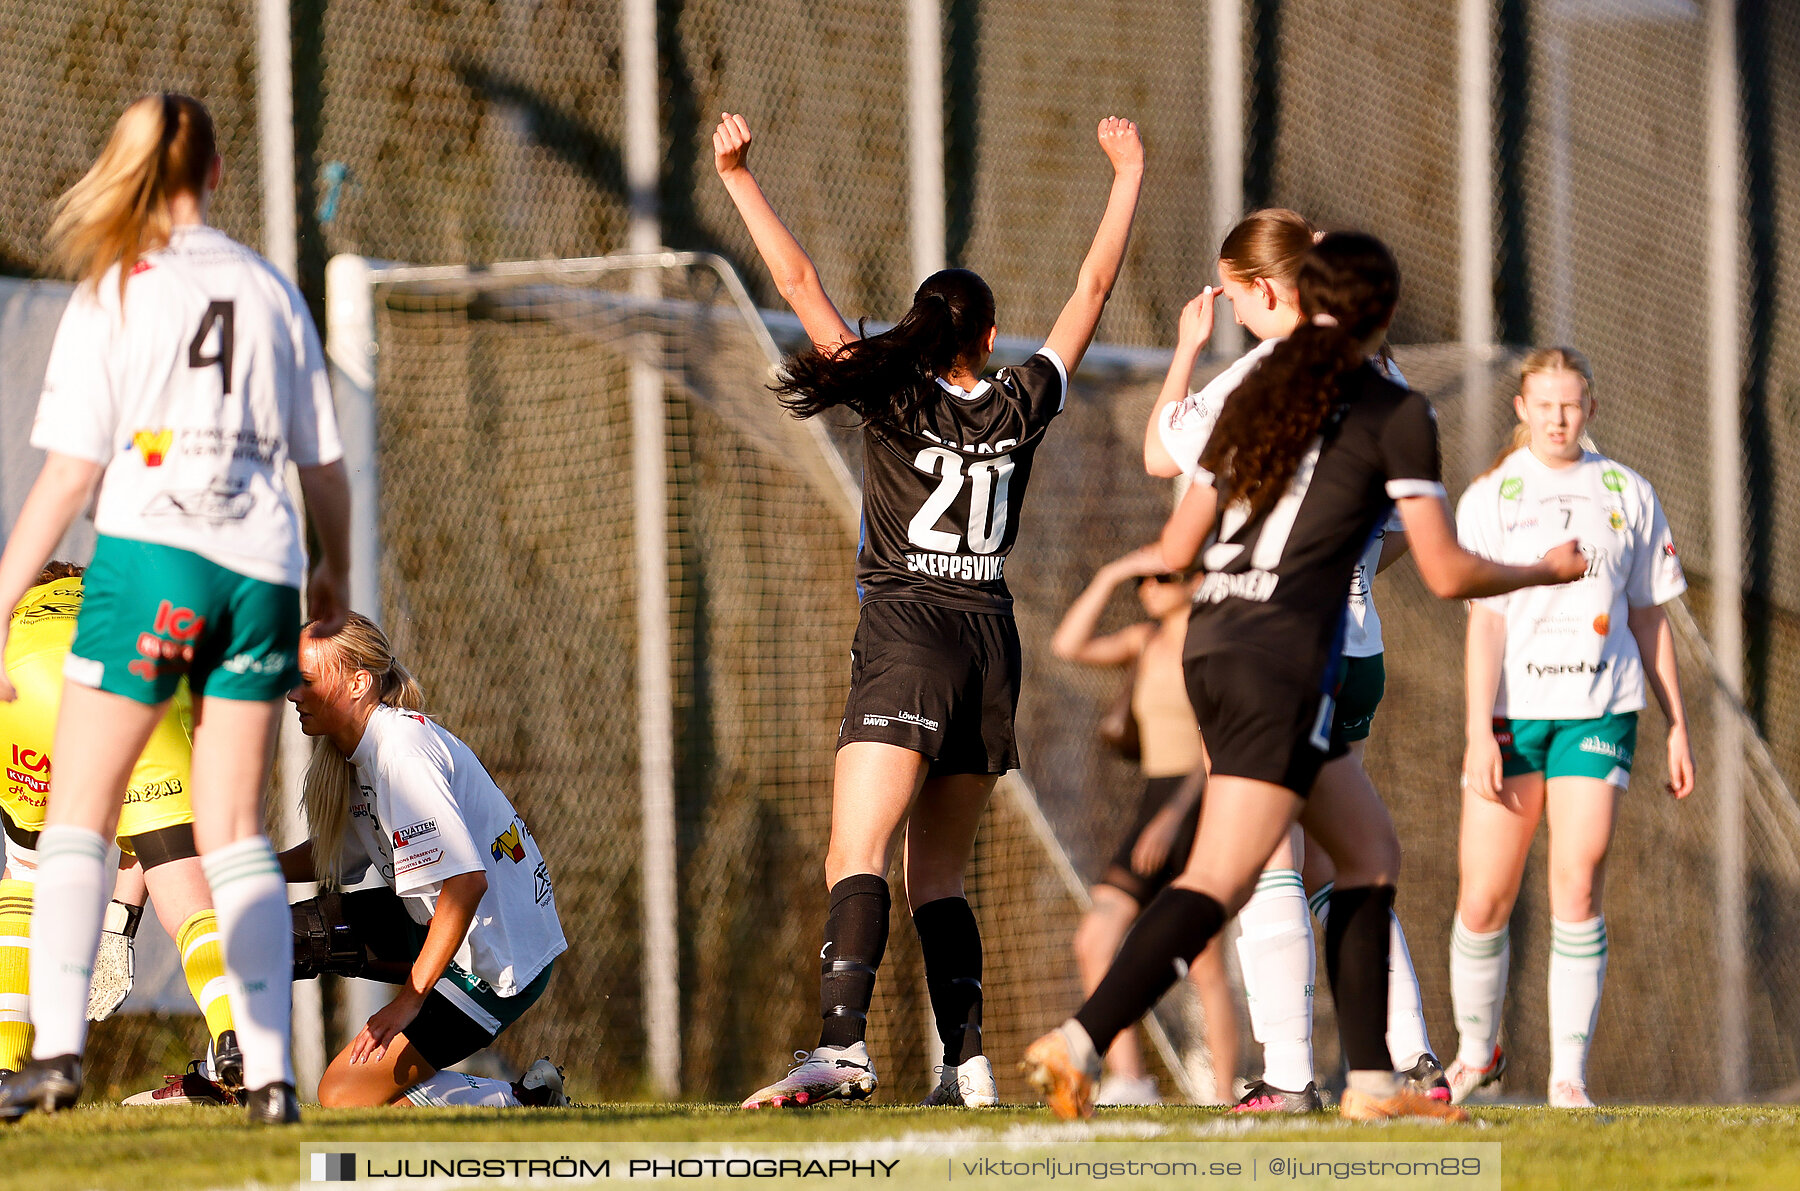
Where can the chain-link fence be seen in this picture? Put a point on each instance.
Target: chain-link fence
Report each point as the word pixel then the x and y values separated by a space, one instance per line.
pixel 469 130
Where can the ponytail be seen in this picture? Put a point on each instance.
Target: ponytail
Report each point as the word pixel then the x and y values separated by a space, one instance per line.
pixel 162 145
pixel 1348 288
pixel 330 776
pixel 1520 437
pixel 888 378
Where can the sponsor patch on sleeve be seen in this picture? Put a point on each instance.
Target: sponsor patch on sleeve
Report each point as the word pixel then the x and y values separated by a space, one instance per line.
pixel 415 833
pixel 417 861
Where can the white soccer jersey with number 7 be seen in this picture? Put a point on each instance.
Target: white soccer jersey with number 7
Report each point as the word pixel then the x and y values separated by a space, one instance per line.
pixel 1569 653
pixel 194 394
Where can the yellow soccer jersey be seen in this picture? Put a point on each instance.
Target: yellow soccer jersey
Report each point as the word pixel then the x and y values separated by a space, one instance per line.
pixel 43 626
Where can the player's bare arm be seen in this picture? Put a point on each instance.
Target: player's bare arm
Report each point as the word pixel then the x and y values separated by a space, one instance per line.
pixel 1453 573
pixel 1193 334
pixel 1075 326
pixel 793 271
pixel 63 488
pixel 1656 645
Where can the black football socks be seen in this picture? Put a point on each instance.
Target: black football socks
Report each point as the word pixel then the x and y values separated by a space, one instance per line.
pixel 951 943
pixel 856 933
pixel 1356 961
pixel 1176 926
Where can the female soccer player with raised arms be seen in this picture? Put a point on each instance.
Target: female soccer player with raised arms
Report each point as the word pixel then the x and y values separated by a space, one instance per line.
pixel 934 673
pixel 1555 682
pixel 1310 455
pixel 187 373
pixel 1259 263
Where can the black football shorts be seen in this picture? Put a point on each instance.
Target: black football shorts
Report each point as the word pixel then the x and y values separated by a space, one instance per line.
pixel 939 681
pixel 1262 721
pixel 1119 873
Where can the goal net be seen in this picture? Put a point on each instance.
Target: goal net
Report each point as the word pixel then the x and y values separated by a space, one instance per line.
pixel 508 578
pixel 489 416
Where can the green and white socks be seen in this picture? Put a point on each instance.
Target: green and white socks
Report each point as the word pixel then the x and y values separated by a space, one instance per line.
pixel 1275 951
pixel 1478 963
pixel 1577 974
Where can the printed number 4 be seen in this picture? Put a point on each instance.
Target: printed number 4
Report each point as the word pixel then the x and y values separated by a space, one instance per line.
pixel 988 483
pixel 219 315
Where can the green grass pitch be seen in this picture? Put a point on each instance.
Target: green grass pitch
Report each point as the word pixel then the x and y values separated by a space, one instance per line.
pixel 199 1149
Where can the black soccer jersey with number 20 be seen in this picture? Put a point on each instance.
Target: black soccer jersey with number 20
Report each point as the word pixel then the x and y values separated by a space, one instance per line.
pixel 942 496
pixel 1275 584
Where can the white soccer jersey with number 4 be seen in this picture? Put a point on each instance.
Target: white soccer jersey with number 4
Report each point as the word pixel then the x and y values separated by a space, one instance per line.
pixel 194 395
pixel 1570 654
pixel 425 811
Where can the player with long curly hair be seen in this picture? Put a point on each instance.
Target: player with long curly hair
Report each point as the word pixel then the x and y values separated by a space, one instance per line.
pixel 1310 455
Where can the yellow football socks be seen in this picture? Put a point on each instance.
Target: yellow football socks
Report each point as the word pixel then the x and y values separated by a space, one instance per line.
pixel 15 973
pixel 203 961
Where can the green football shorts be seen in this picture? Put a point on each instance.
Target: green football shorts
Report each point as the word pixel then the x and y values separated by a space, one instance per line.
pixel 1598 748
pixel 1358 695
pixel 151 614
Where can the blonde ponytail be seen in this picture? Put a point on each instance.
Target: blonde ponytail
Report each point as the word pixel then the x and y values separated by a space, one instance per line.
pixel 162 145
pixel 330 776
pixel 1543 360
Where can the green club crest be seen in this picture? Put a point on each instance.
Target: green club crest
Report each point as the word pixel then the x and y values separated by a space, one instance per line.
pixel 1614 479
pixel 1511 488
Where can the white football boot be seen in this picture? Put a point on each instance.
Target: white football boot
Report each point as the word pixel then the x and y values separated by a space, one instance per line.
pixel 1465 1080
pixel 541 1086
pixel 970 1085
pixel 1117 1091
pixel 1569 1093
pixel 828 1073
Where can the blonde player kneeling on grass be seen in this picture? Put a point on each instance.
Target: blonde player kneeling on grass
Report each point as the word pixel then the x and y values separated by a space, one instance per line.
pixel 467 926
pixel 187 375
pixel 155 831
pixel 1555 682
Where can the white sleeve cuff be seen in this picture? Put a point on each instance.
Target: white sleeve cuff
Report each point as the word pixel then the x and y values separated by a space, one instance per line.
pixel 1062 371
pixel 1401 489
pixel 87 452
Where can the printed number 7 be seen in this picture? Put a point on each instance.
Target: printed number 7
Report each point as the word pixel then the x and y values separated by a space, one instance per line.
pixel 1568 516
pixel 221 315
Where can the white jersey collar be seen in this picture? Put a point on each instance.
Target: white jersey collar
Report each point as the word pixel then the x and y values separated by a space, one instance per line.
pixel 370 744
pixel 957 391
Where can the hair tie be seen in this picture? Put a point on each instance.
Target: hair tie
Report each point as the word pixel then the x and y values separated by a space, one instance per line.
pixel 1324 320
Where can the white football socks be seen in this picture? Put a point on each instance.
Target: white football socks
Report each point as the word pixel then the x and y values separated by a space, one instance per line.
pixel 453 1089
pixel 1478 963
pixel 66 916
pixel 256 928
pixel 1275 951
pixel 1407 1038
pixel 1577 974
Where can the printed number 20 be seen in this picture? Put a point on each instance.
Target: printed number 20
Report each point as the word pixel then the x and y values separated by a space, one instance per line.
pixel 220 315
pixel 988 482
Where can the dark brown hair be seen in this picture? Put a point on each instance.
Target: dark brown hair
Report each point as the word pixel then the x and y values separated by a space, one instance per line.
pixel 1269 421
pixel 56 569
pixel 887 378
